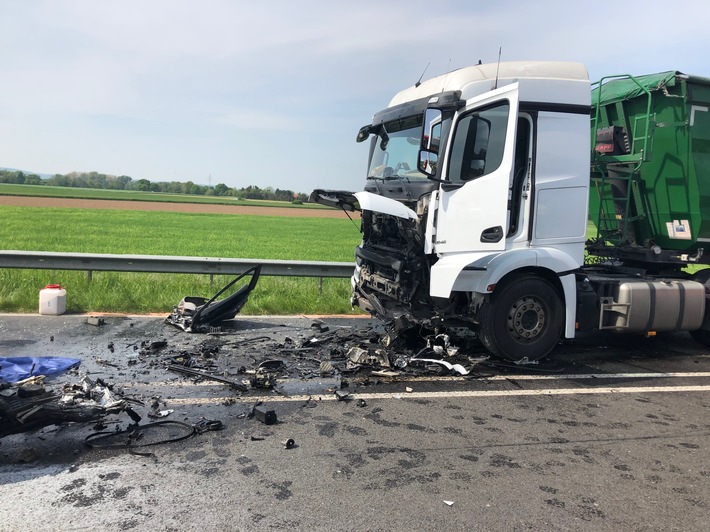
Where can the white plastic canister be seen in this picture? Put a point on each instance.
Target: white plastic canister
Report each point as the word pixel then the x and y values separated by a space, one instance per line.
pixel 52 300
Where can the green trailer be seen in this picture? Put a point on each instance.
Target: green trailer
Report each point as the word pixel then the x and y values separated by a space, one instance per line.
pixel 650 193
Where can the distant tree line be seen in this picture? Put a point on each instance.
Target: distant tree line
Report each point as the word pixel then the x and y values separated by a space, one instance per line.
pixel 124 182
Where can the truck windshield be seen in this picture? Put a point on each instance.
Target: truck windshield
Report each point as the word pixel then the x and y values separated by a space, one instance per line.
pixel 395 150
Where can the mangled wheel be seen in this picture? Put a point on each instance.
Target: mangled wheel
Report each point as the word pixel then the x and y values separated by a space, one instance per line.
pixel 523 318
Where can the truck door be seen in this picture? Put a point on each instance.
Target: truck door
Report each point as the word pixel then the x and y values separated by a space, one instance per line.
pixel 473 202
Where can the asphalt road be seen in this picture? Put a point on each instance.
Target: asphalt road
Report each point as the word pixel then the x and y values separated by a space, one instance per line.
pixel 609 434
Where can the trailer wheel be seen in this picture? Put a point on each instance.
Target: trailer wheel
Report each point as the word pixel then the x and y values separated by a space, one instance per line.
pixel 522 319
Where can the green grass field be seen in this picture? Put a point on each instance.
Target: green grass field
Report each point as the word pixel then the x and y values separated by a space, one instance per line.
pixel 132 195
pixel 165 233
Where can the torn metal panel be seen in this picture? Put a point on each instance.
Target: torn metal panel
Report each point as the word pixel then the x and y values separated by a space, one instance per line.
pixel 196 314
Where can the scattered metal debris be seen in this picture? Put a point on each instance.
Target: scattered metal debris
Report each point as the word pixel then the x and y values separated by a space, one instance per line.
pixel 197 373
pixel 95 321
pixel 290 443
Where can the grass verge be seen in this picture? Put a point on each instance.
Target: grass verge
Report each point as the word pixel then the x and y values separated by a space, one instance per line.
pixel 165 233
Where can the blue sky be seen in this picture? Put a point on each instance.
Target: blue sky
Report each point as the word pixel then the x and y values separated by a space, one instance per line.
pixel 273 93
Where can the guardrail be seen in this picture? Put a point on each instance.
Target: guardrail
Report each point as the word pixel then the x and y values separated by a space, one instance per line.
pixel 90 262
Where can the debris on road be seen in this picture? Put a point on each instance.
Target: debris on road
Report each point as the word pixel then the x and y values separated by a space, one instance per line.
pixel 197 314
pixel 29 405
pixel 197 373
pixel 265 415
pixel 308 361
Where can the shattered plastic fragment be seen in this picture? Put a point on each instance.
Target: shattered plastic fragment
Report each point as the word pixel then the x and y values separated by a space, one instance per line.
pixel 161 413
pixel 449 503
pixel 458 368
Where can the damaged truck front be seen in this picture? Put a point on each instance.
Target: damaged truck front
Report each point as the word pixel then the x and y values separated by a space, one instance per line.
pixel 392 275
pixel 477 198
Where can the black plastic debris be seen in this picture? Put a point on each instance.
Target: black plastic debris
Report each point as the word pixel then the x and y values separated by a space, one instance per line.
pixel 341 395
pixel 290 443
pixel 209 376
pixel 265 415
pixel 198 314
pixel 95 321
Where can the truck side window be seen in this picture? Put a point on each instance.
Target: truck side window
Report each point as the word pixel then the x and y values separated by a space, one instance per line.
pixel 479 141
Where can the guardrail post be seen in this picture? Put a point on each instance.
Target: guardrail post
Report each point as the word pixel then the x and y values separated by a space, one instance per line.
pixel 320 285
pixel 89 276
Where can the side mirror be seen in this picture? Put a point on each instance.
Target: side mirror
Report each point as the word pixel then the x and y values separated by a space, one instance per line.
pixel 364 133
pixel 427 162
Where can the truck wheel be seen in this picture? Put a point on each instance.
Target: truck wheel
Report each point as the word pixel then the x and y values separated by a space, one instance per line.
pixel 522 319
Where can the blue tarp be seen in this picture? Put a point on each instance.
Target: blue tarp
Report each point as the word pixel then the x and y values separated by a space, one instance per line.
pixel 13 369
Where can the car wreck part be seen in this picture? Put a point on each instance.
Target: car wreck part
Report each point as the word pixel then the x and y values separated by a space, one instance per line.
pixel 341 395
pixel 196 314
pixel 23 412
pixel 197 373
pixel 289 443
pixel 160 413
pixel 206 425
pixel 358 356
pixel 262 379
pixel 326 368
pixel 266 416
pixel 458 368
pixel 385 373
pixel 95 321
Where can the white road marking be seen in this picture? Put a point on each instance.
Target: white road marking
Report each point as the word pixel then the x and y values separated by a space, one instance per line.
pixel 441 394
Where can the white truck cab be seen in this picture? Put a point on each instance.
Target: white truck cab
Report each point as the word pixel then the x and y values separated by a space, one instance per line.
pixel 476 205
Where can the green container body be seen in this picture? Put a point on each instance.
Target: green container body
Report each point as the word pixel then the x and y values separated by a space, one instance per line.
pixel 655 190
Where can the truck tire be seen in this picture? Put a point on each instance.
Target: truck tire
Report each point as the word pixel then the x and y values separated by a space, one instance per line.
pixel 522 319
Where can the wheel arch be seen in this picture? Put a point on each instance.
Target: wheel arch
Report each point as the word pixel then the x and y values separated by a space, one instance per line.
pixel 563 283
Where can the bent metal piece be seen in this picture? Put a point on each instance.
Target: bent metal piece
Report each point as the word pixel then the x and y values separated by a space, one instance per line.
pixel 196 314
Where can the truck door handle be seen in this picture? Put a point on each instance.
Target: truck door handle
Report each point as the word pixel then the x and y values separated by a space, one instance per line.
pixel 492 234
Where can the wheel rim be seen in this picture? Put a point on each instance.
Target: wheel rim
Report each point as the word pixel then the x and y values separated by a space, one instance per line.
pixel 527 318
